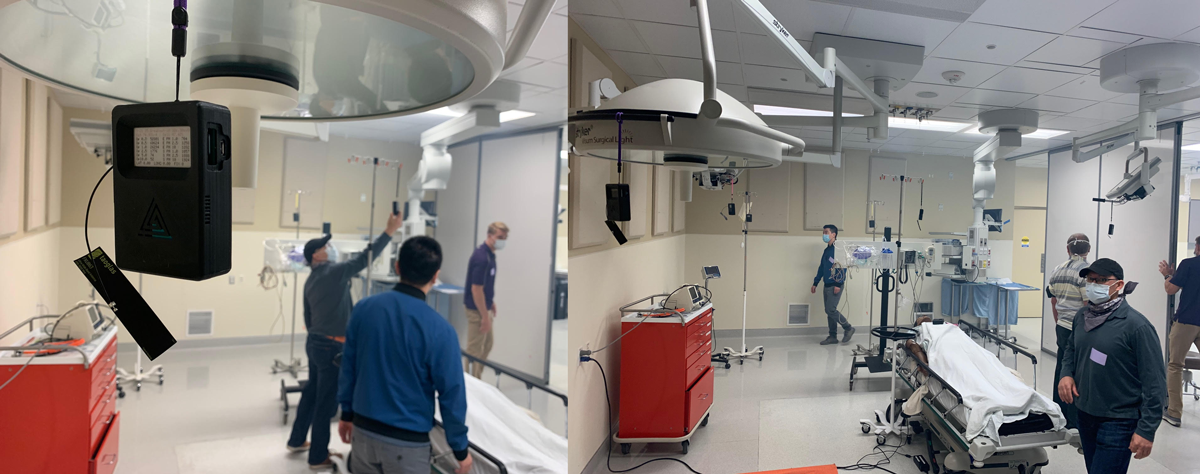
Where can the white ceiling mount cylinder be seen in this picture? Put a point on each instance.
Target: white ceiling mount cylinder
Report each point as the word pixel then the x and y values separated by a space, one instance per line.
pixel 247 100
pixel 1023 121
pixel 1174 65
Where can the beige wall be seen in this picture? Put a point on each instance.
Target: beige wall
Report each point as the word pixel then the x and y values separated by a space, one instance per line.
pixel 1029 220
pixel 241 307
pixel 29 282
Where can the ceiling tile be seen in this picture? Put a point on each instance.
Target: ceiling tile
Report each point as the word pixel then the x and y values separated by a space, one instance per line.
pixel 1093 33
pixel 736 91
pixel 969 138
pixel 970 40
pixel 1055 104
pixel 1075 70
pixel 595 7
pixel 684 41
pixel 687 68
pixel 1084 87
pixel 1192 36
pixel 637 64
pixel 1106 111
pixel 993 98
pixel 1054 16
pixel 959 113
pixel 1157 18
pixel 919 134
pixel 881 26
pixel 803 18
pixel 1032 81
pixel 945 95
pixel 1073 51
pixel 1071 124
pixel 611 33
pixel 545 74
pixel 976 73
pixel 765 51
pixel 549 43
pixel 907 141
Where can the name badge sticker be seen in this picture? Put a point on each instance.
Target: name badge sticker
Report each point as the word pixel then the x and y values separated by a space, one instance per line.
pixel 1099 357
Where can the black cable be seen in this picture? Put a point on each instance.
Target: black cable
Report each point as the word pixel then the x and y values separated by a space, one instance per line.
pixel 178 61
pixel 88 212
pixel 610 431
pixel 887 459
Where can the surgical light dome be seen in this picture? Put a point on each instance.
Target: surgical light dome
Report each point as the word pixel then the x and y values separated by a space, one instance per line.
pixel 665 116
pixel 330 60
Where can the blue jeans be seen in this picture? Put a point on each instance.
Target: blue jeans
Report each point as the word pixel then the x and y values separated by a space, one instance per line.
pixel 1106 443
pixel 318 399
pixel 1068 409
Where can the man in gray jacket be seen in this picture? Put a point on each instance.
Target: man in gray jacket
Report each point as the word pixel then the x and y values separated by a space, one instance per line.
pixel 327 306
pixel 1113 372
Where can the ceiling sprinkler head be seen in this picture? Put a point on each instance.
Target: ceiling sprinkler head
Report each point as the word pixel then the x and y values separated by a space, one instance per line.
pixel 953 76
pixel 991 46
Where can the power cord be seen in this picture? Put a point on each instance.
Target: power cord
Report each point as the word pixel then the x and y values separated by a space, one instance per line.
pixel 584 358
pixel 879 450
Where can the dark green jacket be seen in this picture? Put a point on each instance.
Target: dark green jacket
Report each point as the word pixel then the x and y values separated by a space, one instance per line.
pixel 1132 381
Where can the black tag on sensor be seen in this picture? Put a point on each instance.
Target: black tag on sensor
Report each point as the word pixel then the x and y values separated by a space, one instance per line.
pixel 135 314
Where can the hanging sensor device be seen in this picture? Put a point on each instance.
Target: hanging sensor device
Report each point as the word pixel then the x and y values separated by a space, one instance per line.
pixel 171 189
pixel 326 228
pixel 616 204
pixel 395 208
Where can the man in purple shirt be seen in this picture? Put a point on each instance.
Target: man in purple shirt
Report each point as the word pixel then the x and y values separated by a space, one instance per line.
pixel 481 281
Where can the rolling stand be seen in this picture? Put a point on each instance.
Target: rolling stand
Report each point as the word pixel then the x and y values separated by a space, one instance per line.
pixel 293 366
pixel 727 352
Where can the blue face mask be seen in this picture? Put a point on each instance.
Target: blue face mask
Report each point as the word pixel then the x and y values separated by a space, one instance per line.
pixel 1097 293
pixel 825 238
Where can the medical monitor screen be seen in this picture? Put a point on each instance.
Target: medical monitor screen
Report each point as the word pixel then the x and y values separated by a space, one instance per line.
pixel 712 272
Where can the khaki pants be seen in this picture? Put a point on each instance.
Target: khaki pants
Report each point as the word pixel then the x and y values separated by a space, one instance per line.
pixel 479 344
pixel 1182 338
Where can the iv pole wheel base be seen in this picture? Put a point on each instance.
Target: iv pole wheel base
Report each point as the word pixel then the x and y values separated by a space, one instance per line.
pixel 625 448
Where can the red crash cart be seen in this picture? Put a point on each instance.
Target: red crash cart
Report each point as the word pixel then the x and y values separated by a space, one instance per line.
pixel 59 415
pixel 666 377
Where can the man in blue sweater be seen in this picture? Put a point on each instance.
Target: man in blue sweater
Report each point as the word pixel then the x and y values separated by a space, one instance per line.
pixel 833 289
pixel 399 358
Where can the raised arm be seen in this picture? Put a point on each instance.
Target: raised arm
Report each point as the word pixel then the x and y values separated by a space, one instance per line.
pixel 351 267
pixel 1173 280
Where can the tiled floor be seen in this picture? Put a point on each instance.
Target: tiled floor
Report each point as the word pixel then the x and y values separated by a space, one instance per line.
pixel 219 412
pixel 794 409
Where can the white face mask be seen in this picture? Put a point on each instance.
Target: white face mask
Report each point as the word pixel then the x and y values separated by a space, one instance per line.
pixel 1097 293
pixel 331 253
pixel 500 244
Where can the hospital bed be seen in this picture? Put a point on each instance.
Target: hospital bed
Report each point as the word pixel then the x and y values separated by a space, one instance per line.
pixel 505 438
pixel 1016 446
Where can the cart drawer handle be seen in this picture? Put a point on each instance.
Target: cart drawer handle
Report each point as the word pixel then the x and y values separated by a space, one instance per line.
pixel 110 459
pixel 704 396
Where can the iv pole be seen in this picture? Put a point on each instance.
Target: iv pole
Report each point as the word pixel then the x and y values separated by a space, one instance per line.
pixel 294 366
pixel 758 350
pixel 138 374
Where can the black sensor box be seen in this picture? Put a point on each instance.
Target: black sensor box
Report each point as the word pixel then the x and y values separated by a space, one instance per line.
pixel 171 189
pixel 616 203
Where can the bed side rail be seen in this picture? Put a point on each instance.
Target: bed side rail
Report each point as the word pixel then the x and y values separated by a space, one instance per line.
pixel 910 357
pixel 1001 342
pixel 472 447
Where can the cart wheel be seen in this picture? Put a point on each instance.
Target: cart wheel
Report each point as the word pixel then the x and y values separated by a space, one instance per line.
pixel 728 365
pixel 139 386
pixel 160 379
pixel 851 385
pixel 866 427
pixel 121 394
pixel 880 439
pixel 704 422
pixel 908 439
pixel 685 446
pixel 760 357
pixel 741 360
pixel 1196 395
pixel 625 448
pixel 285 418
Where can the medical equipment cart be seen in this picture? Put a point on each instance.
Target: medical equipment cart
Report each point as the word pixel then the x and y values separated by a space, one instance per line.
pixel 60 413
pixel 666 376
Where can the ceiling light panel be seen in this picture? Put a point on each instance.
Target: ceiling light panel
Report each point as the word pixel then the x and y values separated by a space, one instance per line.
pixel 926 125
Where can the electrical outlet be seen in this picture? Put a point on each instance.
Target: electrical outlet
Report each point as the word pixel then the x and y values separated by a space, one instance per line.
pixel 362 198
pixel 941 207
pixel 232 279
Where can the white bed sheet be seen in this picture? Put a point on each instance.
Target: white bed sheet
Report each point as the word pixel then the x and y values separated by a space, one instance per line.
pixel 992 394
pixel 507 432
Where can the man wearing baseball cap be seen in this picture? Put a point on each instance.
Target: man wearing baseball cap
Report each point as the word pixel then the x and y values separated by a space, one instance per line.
pixel 327 305
pixel 1113 372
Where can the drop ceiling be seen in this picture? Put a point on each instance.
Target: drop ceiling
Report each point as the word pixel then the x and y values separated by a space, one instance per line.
pixel 1034 54
pixel 542 76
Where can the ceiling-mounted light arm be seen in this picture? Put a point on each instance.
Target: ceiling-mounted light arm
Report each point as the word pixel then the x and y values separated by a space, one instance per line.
pixel 793 146
pixel 529 23
pixel 822 76
pixel 708 57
